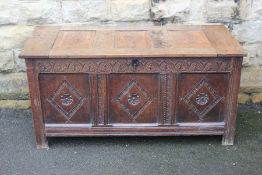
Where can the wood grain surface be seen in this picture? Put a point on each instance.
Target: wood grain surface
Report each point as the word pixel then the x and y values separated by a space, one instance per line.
pixel 133 81
pixel 168 41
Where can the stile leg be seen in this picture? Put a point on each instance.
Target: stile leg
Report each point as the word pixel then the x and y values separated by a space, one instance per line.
pixel 40 137
pixel 33 82
pixel 230 120
pixel 228 137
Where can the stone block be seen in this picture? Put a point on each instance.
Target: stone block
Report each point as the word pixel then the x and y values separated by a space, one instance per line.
pixel 254 51
pixel 14 104
pixel 9 12
pixel 14 36
pixel 6 61
pixel 13 86
pixel 197 12
pixel 250 9
pixel 30 12
pixel 19 63
pixel 221 10
pixel 249 31
pixel 84 10
pixel 243 98
pixel 251 80
pixel 256 98
pixel 130 10
pixel 175 9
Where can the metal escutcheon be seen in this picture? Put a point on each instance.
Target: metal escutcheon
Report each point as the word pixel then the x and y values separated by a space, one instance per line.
pixel 66 99
pixel 202 99
pixel 133 99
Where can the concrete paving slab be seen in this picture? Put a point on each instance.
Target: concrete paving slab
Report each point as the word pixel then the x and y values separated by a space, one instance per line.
pixel 201 155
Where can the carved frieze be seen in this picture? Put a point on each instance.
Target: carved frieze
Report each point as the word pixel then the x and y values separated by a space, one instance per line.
pixel 119 65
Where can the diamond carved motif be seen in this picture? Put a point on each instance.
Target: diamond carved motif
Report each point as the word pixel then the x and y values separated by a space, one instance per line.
pixel 133 99
pixel 66 100
pixel 201 99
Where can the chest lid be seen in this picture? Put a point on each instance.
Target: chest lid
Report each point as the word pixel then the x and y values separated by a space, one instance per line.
pixel 102 42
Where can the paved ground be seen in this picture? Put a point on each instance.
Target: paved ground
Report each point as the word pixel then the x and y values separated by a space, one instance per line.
pixel 123 156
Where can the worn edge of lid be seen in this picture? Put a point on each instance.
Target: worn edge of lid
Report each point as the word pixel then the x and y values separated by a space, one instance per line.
pixel 44 34
pixel 232 43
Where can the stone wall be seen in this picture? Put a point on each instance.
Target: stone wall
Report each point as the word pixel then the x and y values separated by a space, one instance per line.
pixel 18 18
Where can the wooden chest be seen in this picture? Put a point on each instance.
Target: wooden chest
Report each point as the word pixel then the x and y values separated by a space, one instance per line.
pixel 143 81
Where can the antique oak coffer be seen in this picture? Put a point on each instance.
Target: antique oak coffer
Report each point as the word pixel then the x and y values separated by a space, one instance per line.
pixel 133 81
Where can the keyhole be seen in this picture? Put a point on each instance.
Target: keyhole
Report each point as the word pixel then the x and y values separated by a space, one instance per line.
pixel 135 63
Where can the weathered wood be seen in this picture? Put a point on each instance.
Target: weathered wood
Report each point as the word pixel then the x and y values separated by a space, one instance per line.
pixel 40 44
pixel 144 81
pixel 102 42
pixel 65 98
pixel 32 76
pixel 230 120
pixel 147 131
pixel 223 42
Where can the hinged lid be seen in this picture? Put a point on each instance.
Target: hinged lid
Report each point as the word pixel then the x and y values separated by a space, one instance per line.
pixel 165 41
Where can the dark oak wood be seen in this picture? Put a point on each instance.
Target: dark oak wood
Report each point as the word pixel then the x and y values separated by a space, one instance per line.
pixel 33 82
pixel 140 81
pixel 65 98
pixel 230 120
pixel 204 94
pixel 133 99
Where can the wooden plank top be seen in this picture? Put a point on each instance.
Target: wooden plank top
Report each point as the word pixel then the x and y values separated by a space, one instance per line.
pixel 154 41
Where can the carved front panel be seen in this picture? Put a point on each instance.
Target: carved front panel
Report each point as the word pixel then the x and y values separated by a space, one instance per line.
pixel 133 98
pixel 201 97
pixel 65 98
